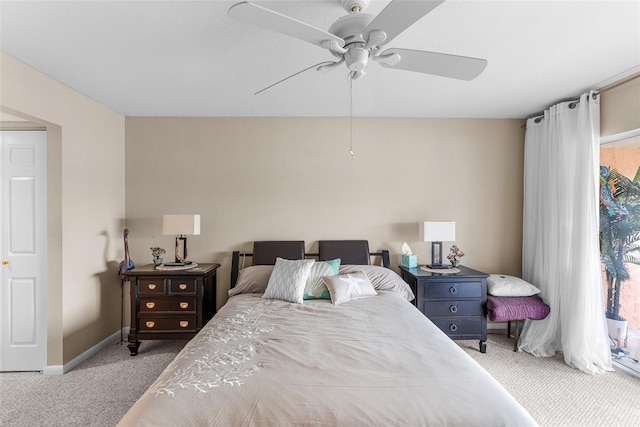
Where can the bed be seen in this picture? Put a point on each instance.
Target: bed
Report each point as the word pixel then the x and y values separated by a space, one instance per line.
pixel 373 359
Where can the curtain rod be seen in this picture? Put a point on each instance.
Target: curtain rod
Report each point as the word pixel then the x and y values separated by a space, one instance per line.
pixel 572 104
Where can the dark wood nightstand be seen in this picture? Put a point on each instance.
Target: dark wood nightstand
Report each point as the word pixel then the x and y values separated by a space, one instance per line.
pixel 170 305
pixel 456 302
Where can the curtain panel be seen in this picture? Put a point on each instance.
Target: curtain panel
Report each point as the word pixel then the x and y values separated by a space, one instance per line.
pixel 561 252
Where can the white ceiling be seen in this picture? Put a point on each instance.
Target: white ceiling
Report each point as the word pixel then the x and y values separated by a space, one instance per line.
pixel 187 58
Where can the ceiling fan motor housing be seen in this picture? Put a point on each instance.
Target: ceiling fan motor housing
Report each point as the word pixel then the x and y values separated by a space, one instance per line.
pixel 356 58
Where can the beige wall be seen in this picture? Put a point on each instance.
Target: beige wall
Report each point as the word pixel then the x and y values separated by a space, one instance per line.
pixel 85 206
pixel 620 107
pixel 292 178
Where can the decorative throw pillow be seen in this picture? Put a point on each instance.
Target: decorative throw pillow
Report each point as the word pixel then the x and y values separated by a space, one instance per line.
pixel 345 287
pixel 288 279
pixel 501 285
pixel 315 287
pixel 382 279
pixel 253 279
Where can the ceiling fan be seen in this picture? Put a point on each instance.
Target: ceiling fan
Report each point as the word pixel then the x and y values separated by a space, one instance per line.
pixel 358 37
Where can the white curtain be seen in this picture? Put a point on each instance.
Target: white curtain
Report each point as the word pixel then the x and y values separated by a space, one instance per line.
pixel 560 234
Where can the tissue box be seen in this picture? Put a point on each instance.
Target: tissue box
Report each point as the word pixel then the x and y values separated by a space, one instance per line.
pixel 409 261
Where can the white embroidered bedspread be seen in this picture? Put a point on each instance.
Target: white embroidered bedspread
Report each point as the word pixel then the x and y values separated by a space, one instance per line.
pixel 371 361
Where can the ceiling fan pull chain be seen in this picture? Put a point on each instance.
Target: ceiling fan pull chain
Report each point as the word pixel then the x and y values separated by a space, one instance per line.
pixel 351 111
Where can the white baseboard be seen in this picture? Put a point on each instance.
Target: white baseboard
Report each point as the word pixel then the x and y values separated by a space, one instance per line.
pixel 63 369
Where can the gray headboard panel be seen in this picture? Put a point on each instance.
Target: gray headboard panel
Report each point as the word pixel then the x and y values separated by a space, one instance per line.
pixel 349 251
pixel 266 252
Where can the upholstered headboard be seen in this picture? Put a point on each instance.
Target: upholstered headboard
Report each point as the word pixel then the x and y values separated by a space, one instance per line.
pixel 265 253
pixel 349 251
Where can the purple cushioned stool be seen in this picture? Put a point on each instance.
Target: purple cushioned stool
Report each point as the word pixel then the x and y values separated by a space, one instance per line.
pixel 508 309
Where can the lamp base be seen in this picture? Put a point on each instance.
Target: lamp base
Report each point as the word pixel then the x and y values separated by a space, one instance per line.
pixel 438 266
pixel 178 263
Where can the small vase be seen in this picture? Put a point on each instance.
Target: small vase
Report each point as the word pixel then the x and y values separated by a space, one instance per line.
pixel 455 263
pixel 157 261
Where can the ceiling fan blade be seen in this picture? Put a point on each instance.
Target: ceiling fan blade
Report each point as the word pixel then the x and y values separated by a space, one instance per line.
pixel 257 15
pixel 439 64
pixel 320 66
pixel 398 15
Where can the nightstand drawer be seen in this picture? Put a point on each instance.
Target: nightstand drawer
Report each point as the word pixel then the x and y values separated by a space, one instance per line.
pixel 453 326
pixel 180 305
pixel 182 286
pixel 451 289
pixel 183 323
pixel 151 286
pixel 453 308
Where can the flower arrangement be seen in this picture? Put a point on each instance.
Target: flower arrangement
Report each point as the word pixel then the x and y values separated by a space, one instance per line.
pixel 157 252
pixel 455 254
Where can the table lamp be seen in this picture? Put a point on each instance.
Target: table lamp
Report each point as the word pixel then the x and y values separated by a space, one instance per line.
pixel 437 232
pixel 181 226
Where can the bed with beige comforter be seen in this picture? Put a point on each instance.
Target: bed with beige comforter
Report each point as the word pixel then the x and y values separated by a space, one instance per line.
pixel 373 361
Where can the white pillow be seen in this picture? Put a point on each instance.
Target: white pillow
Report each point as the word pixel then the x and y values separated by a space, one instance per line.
pixel 288 279
pixel 345 287
pixel 382 279
pixel 252 279
pixel 501 285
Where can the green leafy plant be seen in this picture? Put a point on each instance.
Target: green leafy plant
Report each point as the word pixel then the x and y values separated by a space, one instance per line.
pixel 619 232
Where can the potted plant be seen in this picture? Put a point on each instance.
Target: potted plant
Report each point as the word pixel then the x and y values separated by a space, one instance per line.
pixel 157 253
pixel 454 256
pixel 619 240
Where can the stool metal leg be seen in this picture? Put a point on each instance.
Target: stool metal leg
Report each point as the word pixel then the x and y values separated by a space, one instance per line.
pixel 515 346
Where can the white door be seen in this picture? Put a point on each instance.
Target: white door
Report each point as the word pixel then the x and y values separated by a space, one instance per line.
pixel 23 217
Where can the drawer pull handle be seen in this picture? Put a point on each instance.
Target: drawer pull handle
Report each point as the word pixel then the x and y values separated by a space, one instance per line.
pixel 453 309
pixel 453 290
pixel 184 305
pixel 150 324
pixel 184 323
pixel 152 286
pixel 150 305
pixel 182 286
pixel 453 327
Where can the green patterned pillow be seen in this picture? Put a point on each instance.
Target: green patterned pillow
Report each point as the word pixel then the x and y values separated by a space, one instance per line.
pixel 315 287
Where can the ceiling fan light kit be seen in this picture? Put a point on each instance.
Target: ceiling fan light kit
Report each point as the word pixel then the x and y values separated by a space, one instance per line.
pixel 357 37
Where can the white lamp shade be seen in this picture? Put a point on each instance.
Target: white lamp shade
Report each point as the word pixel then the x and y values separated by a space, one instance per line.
pixel 181 225
pixel 438 231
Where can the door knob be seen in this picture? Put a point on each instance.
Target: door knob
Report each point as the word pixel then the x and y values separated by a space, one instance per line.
pixel 5 262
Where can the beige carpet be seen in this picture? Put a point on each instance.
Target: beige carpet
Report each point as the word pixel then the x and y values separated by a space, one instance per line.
pixel 556 394
pixel 96 393
pixel 99 391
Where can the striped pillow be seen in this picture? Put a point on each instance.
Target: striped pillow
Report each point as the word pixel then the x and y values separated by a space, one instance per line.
pixel 288 279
